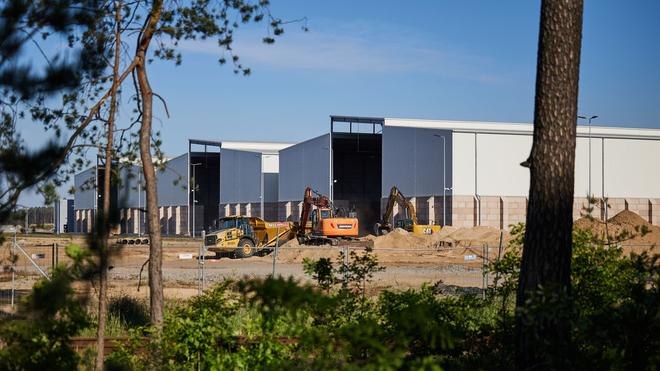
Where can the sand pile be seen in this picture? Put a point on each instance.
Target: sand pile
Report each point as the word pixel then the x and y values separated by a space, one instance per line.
pixel 624 221
pixel 447 237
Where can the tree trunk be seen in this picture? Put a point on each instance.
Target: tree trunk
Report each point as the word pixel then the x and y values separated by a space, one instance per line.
pixel 546 259
pixel 106 222
pixel 153 217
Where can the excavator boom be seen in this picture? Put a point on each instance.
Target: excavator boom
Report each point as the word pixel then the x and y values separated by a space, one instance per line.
pixel 397 197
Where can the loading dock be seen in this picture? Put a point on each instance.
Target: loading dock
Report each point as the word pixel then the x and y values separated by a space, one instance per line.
pixel 356 170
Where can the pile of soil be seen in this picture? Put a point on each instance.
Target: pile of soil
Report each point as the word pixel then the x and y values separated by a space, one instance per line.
pixel 447 237
pixel 627 221
pixel 431 247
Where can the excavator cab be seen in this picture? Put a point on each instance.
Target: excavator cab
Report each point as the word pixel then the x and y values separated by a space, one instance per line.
pixel 406 224
pixel 321 226
pixel 409 223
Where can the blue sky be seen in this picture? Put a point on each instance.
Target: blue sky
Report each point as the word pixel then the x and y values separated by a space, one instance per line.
pixel 465 60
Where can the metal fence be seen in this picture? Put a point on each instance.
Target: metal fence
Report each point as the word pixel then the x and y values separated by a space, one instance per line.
pixel 189 269
pixel 23 263
pixel 460 268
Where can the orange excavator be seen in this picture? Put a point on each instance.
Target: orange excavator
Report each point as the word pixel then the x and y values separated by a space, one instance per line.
pixel 320 226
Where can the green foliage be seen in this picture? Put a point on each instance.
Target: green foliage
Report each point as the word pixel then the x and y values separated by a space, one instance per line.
pixel 38 338
pixel 321 270
pixel 612 309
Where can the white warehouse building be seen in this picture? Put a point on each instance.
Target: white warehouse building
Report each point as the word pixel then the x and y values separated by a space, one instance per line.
pixel 471 167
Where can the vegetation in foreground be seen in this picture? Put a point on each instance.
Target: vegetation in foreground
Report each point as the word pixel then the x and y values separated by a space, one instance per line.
pixel 278 323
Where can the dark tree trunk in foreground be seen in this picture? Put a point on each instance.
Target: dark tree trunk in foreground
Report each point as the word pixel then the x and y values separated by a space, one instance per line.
pixel 153 217
pixel 104 250
pixel 546 259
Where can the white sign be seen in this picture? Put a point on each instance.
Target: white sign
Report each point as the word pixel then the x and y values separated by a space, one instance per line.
pixel 186 256
pixel 39 256
pixel 470 257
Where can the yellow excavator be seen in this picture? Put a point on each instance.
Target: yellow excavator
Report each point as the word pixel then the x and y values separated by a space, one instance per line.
pixel 409 223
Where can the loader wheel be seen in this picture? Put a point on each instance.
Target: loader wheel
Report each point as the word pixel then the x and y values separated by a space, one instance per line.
pixel 245 248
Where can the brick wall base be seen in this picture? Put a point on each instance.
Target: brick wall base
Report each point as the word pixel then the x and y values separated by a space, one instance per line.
pixel 502 212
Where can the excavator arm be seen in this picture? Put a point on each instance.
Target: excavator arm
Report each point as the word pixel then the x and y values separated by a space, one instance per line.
pixel 308 201
pixel 395 197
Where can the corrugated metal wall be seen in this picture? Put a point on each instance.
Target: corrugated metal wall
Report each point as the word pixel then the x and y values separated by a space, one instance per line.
pixel 172 186
pixel 413 160
pixel 84 189
pixel 302 165
pixel 240 176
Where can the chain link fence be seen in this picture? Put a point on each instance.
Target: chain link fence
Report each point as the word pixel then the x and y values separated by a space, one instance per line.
pixel 24 261
pixel 189 269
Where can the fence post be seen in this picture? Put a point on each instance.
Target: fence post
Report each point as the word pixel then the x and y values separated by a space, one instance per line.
pixel 277 245
pixel 203 256
pixel 57 253
pixel 345 263
pixel 199 269
pixel 483 271
pixel 13 269
pixel 52 256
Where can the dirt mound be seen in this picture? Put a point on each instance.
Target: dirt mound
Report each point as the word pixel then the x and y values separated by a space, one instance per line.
pixel 628 218
pixel 448 236
pixel 624 222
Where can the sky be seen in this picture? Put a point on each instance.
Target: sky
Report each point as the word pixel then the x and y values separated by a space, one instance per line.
pixel 435 59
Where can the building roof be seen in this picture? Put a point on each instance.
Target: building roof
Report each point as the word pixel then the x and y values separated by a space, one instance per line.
pixel 522 128
pixel 253 146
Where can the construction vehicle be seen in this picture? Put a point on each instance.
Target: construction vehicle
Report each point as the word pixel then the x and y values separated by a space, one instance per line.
pixel 409 223
pixel 244 236
pixel 321 226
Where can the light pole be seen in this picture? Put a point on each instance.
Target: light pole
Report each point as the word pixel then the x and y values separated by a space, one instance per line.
pixel 139 190
pixel 194 200
pixel 589 121
pixel 444 180
pixel 262 185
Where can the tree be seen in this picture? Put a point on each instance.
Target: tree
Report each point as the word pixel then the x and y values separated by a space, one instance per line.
pixel 197 19
pixel 546 260
pixel 106 218
pixel 26 85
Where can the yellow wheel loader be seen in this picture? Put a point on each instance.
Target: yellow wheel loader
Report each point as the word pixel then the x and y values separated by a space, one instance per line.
pixel 409 223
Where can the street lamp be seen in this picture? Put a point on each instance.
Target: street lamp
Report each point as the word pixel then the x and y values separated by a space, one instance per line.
pixel 262 185
pixel 194 200
pixel 589 121
pixel 444 180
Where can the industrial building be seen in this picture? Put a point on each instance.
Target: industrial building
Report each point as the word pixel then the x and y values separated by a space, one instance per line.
pixel 195 189
pixel 460 173
pixel 463 173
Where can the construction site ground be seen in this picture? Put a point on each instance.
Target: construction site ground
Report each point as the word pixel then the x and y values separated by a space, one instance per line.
pixel 454 257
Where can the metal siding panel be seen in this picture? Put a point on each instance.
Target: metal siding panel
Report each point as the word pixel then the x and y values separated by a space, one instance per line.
pixel 302 165
pixel 413 161
pixel 270 187
pixel 463 163
pixel 271 163
pixel 240 176
pixel 629 168
pixel 127 194
pixel 498 164
pixel 172 189
pixel 582 167
pixel 84 198
pixel 398 160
